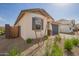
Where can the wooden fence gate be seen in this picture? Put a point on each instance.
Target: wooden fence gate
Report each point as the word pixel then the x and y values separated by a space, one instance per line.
pixel 11 32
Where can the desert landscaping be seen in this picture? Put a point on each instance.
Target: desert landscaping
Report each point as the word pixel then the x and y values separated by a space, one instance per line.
pixel 58 45
pixel 36 33
pixel 43 37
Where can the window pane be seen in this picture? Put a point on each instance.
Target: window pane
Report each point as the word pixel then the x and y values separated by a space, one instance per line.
pixel 37 23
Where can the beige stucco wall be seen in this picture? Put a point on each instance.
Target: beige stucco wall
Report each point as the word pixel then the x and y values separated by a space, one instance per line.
pixel 26 26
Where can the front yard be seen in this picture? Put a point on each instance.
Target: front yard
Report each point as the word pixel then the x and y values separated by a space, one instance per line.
pixel 62 45
pixel 56 46
pixel 14 46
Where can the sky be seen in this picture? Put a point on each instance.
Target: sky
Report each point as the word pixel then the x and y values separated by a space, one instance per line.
pixel 9 12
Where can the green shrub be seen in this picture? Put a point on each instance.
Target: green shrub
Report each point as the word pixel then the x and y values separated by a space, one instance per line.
pixel 47 48
pixel 47 53
pixel 53 50
pixel 29 40
pixel 14 52
pixel 68 45
pixel 56 51
pixel 75 41
pixel 2 32
pixel 57 38
pixel 45 37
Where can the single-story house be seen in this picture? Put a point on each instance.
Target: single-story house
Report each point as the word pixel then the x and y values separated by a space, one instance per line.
pixel 76 29
pixel 34 22
pixel 66 26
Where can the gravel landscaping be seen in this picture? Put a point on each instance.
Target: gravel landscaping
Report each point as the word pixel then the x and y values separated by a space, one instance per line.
pixel 35 49
pixel 6 45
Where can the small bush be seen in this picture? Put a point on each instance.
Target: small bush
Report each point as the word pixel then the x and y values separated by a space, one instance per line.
pixel 53 50
pixel 13 52
pixel 2 32
pixel 75 41
pixel 68 45
pixel 29 40
pixel 57 38
pixel 45 37
pixel 56 51
pixel 47 53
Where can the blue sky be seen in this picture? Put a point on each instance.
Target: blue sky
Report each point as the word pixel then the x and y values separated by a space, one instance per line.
pixel 10 12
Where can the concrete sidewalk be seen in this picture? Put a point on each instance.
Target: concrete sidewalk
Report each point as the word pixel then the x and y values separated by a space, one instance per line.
pixel 32 50
pixel 37 50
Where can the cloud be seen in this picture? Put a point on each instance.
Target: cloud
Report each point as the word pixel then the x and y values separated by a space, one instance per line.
pixel 2 19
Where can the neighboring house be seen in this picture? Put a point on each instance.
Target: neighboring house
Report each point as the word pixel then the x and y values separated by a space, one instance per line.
pixel 66 26
pixel 76 29
pixel 76 26
pixel 34 22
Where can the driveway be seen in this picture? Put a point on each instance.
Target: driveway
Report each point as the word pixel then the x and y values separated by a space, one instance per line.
pixel 8 44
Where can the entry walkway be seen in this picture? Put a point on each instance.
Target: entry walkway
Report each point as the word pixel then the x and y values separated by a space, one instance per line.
pixel 37 50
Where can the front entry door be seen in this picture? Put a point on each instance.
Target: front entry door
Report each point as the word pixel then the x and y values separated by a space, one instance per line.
pixel 54 29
